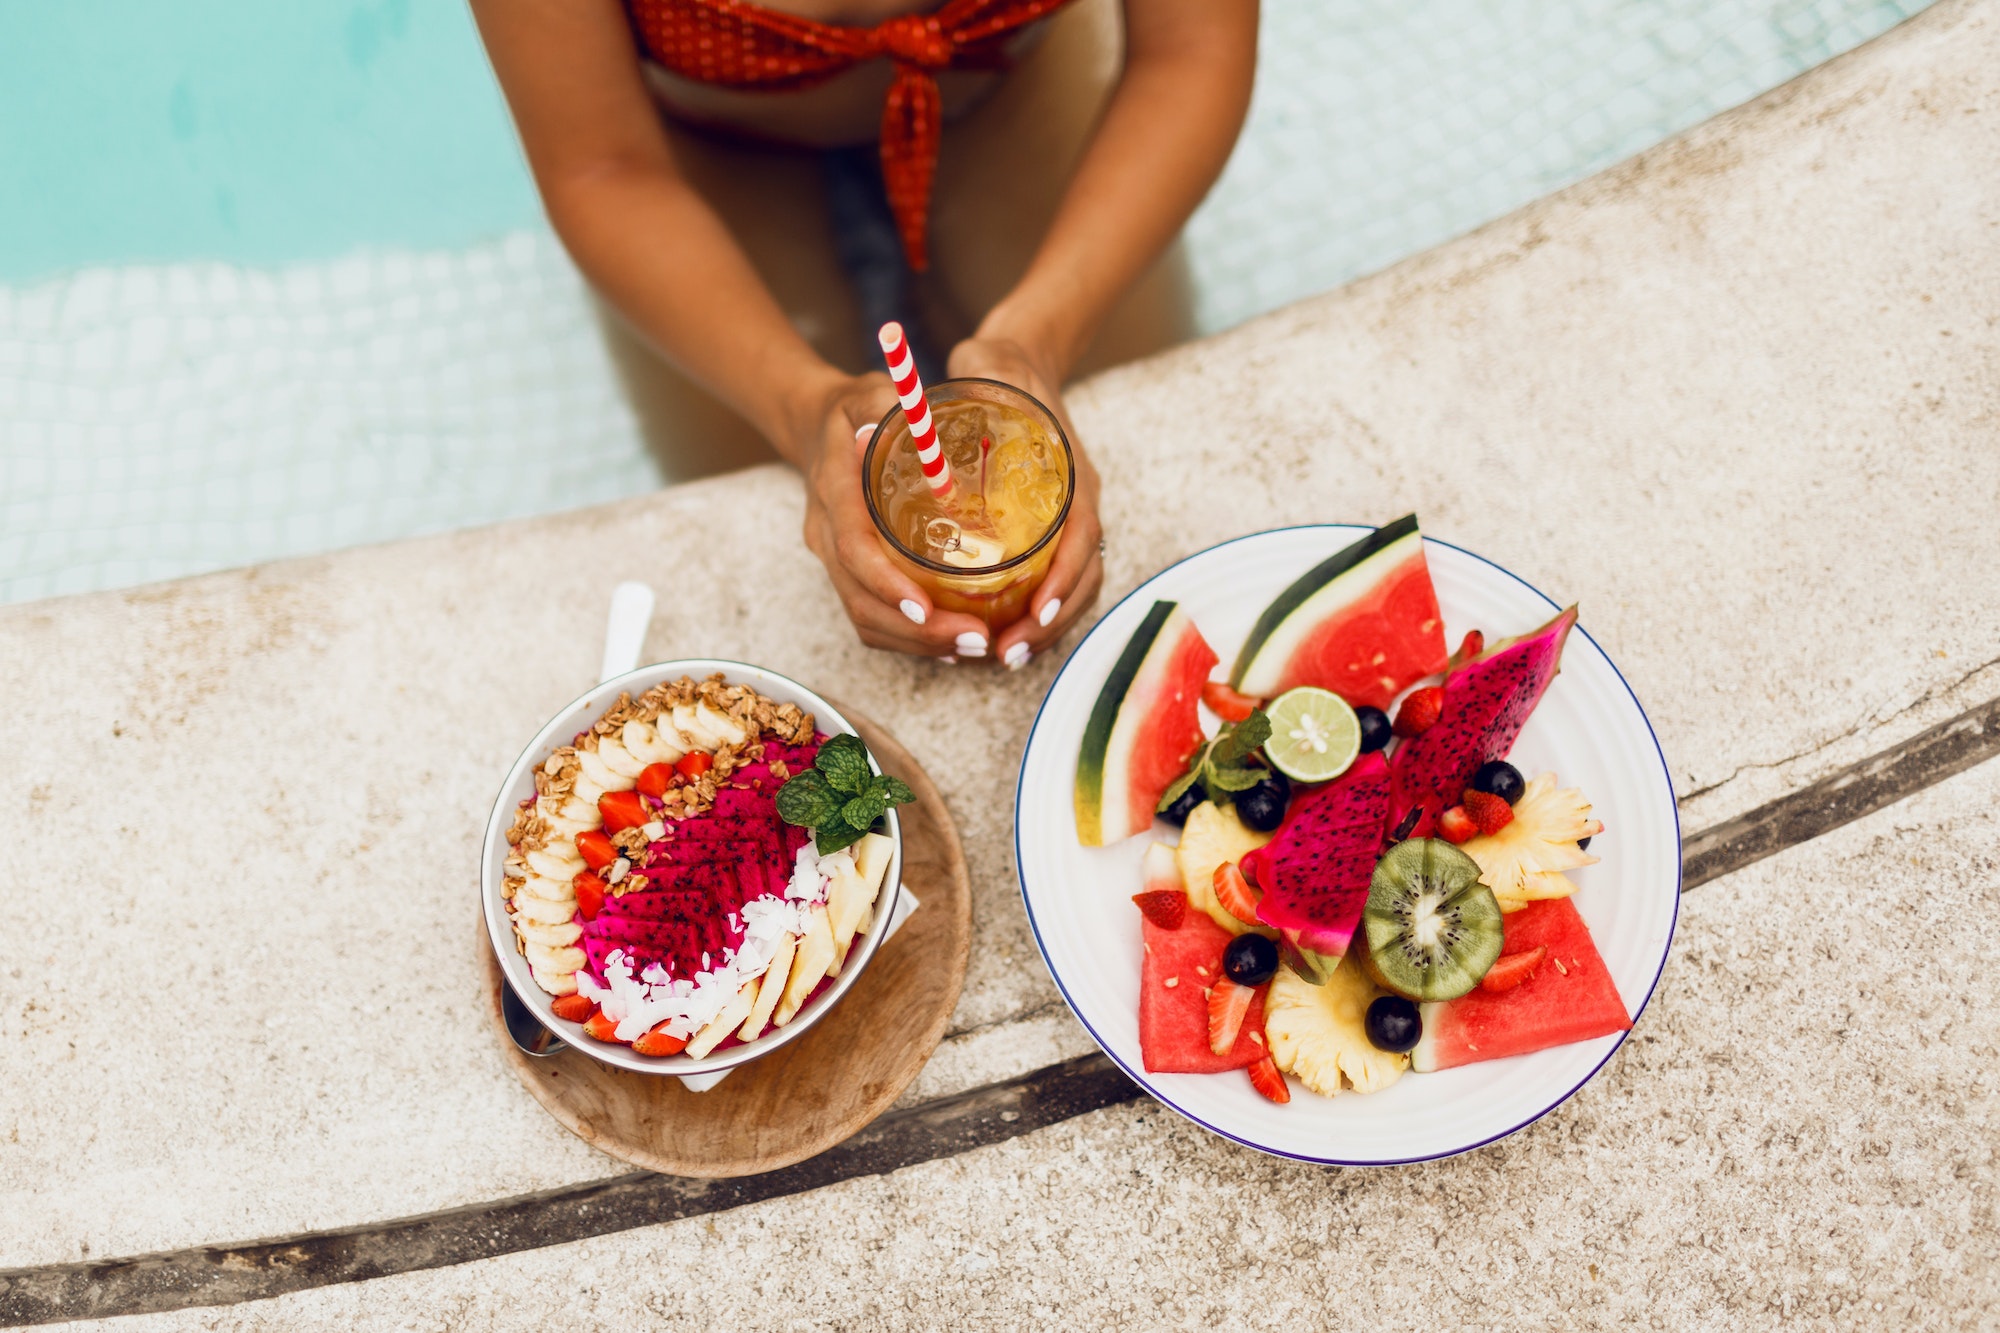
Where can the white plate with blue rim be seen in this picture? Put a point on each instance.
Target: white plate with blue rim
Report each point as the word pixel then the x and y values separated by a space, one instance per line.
pixel 1589 730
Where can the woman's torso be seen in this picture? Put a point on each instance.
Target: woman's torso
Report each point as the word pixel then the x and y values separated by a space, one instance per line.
pixel 845 109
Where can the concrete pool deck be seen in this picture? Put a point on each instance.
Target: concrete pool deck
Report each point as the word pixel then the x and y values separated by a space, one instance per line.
pixel 1739 398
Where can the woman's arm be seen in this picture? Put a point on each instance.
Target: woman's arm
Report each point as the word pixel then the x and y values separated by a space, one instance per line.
pixel 644 237
pixel 655 249
pixel 1165 134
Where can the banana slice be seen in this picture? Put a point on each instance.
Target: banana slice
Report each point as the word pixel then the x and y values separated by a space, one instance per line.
pixel 809 964
pixel 719 724
pixel 644 742
pixel 618 759
pixel 544 861
pixel 770 989
pixel 566 824
pixel 586 791
pixel 541 911
pixel 687 721
pixel 732 1013
pixel 548 934
pixel 554 961
pixel 551 890
pixel 559 983
pixel 602 773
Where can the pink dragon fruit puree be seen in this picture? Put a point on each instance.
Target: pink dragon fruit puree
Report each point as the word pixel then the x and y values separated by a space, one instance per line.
pixel 720 889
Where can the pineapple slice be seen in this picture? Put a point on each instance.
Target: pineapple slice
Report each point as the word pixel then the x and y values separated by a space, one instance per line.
pixel 809 964
pixel 1320 1032
pixel 718 1027
pixel 1525 860
pixel 850 899
pixel 770 988
pixel 1213 835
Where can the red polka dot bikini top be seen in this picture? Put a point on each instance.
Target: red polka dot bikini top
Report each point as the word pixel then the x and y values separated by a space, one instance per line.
pixel 739 45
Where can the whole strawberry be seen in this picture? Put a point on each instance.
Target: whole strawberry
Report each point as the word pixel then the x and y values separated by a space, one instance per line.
pixel 1489 813
pixel 1420 711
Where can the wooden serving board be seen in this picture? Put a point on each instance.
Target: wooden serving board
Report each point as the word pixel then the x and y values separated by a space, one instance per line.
pixel 809 1094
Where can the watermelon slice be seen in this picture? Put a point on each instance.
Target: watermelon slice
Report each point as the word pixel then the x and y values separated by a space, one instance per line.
pixel 1173 1019
pixel 1143 727
pixel 1364 624
pixel 1557 1005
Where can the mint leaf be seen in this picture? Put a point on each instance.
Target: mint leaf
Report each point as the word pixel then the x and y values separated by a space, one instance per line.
pixel 844 761
pixel 865 809
pixel 894 791
pixel 1177 789
pixel 1232 779
pixel 836 834
pixel 1236 743
pixel 806 801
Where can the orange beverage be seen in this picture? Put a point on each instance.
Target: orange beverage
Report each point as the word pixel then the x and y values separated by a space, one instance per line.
pixel 983 548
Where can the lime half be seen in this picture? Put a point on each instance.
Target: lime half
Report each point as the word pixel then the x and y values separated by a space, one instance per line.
pixel 1314 734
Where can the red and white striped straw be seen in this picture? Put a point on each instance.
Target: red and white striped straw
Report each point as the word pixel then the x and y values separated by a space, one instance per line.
pixel 916 408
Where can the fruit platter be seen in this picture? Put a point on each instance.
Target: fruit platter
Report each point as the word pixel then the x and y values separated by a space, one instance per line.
pixel 687 867
pixel 1348 844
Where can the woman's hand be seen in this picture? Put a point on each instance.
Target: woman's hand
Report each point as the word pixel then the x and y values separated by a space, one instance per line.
pixel 1076 573
pixel 888 608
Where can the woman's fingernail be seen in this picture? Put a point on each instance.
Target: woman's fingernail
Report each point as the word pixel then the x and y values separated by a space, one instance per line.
pixel 1016 657
pixel 914 611
pixel 949 661
pixel 1049 612
pixel 972 645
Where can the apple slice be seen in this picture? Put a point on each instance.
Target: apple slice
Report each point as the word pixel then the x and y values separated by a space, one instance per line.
pixel 809 964
pixel 770 988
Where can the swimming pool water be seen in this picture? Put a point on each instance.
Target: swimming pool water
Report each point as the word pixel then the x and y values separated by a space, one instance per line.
pixel 273 279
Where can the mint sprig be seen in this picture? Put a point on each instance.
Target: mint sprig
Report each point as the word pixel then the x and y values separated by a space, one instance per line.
pixel 1221 766
pixel 840 797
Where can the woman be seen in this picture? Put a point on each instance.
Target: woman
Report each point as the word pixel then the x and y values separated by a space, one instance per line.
pixel 670 228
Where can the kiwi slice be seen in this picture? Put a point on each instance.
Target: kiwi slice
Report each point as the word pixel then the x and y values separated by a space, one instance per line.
pixel 1433 929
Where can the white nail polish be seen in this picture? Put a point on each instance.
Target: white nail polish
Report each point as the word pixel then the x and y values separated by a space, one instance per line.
pixel 913 611
pixel 972 645
pixel 949 661
pixel 1050 611
pixel 1016 657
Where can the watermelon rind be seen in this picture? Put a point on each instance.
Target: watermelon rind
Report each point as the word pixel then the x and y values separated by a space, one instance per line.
pixel 1125 708
pixel 1315 596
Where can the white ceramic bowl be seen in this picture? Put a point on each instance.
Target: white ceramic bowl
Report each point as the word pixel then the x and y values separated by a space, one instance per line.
pixel 1588 729
pixel 520 784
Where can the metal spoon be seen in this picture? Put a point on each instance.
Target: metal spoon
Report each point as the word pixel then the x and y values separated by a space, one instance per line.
pixel 624 640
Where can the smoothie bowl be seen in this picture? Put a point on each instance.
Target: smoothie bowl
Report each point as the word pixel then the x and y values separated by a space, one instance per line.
pixel 689 866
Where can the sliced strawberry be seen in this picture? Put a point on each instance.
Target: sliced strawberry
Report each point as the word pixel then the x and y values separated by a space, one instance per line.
pixel 1420 711
pixel 1226 703
pixel 1165 908
pixel 1455 825
pixel 1510 971
pixel 1235 894
pixel 657 1042
pixel 621 810
pixel 574 1008
pixel 1489 812
pixel 1227 1004
pixel 596 850
pixel 654 779
pixel 600 1027
pixel 1264 1077
pixel 590 891
pixel 693 764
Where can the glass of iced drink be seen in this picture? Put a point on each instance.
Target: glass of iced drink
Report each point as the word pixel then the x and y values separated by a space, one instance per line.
pixel 983 548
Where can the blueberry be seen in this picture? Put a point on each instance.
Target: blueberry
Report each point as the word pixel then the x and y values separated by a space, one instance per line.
pixel 1262 807
pixel 1250 960
pixel 1583 844
pixel 1500 778
pixel 1374 727
pixel 1178 812
pixel 1394 1024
